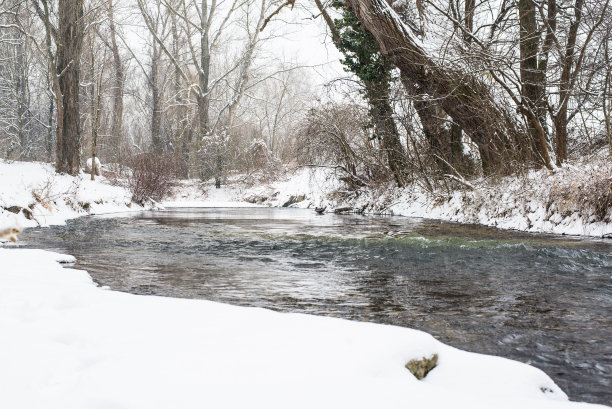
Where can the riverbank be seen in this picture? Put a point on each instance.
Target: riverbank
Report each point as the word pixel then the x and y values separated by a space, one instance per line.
pixel 69 344
pixel 573 200
pixel 32 194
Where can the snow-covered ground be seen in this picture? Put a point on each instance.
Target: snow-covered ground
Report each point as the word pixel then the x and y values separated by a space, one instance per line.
pixel 32 194
pixel 66 343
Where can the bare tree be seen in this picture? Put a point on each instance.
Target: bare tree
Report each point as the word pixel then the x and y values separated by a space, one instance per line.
pixel 64 65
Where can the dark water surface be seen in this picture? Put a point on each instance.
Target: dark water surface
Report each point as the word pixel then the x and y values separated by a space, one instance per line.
pixel 545 300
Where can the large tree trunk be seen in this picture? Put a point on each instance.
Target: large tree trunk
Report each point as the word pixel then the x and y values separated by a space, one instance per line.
pixel 467 100
pixel 21 92
pixel 533 80
pixel 181 139
pixel 204 74
pixel 381 113
pixel 443 136
pixel 68 154
pixel 561 119
pixel 117 113
pixel 203 96
pixel 438 132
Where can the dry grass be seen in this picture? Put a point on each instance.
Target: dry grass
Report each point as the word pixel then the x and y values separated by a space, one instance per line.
pixel 585 190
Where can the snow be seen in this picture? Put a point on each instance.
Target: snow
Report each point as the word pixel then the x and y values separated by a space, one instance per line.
pixel 190 194
pixel 67 343
pixel 513 203
pixel 98 164
pixel 53 198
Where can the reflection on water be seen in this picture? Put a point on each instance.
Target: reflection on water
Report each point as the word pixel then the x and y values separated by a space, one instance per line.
pixel 541 299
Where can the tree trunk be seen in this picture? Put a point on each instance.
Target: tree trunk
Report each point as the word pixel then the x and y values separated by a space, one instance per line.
pixel 117 113
pixel 156 112
pixel 68 153
pixel 606 95
pixel 381 113
pixel 21 89
pixel 469 20
pixel 561 119
pixel 436 131
pixel 533 80
pixel 203 75
pixel 203 96
pixel 491 126
pixel 49 136
pixel 183 134
pixel 444 137
pixel 96 106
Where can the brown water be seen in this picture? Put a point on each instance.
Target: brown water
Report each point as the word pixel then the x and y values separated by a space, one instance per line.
pixel 541 299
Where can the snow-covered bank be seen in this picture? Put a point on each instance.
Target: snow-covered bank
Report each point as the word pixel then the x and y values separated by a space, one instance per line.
pixel 32 194
pixel 68 344
pixel 541 201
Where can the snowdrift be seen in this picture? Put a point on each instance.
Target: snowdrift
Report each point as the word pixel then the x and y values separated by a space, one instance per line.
pixel 67 343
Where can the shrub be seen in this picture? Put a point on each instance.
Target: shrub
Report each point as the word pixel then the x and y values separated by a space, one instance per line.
pixel 152 177
pixel 338 136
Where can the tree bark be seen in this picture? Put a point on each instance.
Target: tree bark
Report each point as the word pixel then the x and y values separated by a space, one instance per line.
pixel 606 95
pixel 156 101
pixel 49 136
pixel 117 113
pixel 381 114
pixel 68 154
pixel 469 20
pixel 561 119
pixel 183 134
pixel 533 80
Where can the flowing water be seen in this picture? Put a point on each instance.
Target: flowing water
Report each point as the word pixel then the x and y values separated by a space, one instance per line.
pixel 541 299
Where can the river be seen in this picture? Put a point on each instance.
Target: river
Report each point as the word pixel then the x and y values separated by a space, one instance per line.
pixel 540 299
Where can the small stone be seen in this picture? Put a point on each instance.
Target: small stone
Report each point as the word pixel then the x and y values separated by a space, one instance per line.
pixel 421 367
pixel 27 213
pixel 14 209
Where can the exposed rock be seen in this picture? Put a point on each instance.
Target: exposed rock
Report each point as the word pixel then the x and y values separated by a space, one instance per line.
pixel 421 367
pixel 343 209
pixel 255 199
pixel 27 213
pixel 293 200
pixel 18 209
pixel 320 210
pixel 14 209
